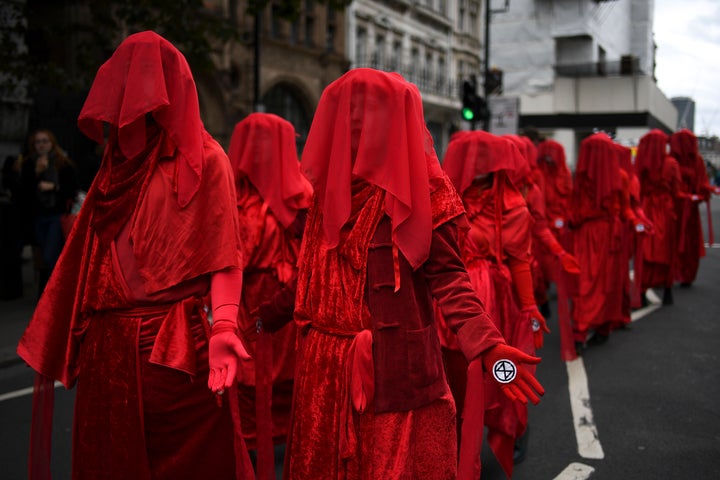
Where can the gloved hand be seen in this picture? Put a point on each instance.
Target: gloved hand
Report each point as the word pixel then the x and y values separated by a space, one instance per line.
pixel 559 223
pixel 504 363
pixel 695 198
pixel 569 263
pixel 539 325
pixel 224 352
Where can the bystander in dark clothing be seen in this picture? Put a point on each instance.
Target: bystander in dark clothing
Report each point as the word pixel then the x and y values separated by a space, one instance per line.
pixel 49 187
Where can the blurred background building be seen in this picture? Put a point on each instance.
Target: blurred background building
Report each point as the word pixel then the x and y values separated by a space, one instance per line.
pixel 565 67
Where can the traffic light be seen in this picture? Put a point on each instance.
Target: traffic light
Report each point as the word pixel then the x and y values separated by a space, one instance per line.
pixel 474 107
pixel 469 101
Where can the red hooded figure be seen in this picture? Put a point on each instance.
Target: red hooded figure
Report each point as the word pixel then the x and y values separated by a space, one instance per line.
pixel 659 177
pixel 379 248
pixel 598 226
pixel 487 170
pixel 272 200
pixel 123 312
pixel 695 188
pixel 557 188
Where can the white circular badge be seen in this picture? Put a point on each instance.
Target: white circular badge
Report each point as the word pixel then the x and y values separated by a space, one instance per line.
pixel 504 370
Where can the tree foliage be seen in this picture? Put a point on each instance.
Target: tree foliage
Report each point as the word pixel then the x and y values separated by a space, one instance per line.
pixel 41 44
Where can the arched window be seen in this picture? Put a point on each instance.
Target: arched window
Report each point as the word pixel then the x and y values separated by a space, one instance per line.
pixel 284 100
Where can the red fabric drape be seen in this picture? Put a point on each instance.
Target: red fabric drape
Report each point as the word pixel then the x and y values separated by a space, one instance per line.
pixel 263 148
pixel 147 74
pixel 370 123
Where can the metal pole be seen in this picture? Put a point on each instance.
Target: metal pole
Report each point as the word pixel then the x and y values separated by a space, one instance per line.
pixel 257 104
pixel 486 73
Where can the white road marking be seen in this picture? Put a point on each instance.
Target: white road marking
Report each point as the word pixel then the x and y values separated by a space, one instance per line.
pixel 586 433
pixel 714 245
pixel 575 471
pixel 654 303
pixel 21 393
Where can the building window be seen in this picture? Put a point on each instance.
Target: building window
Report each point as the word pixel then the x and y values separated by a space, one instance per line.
pixel 330 30
pixel 396 60
pixel 309 31
pixel 462 11
pixel 379 56
pixel 440 77
pixel 414 62
pixel 361 47
pixel 473 23
pixel 284 101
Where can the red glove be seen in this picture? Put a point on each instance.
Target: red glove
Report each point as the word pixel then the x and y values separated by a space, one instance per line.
pixel 225 346
pixel 539 325
pixel 569 263
pixel 504 363
pixel 225 351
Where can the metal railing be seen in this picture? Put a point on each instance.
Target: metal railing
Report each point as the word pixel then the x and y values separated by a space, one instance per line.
pixel 428 80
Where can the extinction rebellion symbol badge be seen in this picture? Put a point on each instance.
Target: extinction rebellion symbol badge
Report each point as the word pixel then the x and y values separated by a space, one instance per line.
pixel 504 371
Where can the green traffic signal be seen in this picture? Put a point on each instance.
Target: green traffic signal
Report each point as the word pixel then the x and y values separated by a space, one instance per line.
pixel 468 114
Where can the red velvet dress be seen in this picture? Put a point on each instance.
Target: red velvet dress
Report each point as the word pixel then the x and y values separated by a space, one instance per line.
pixel 694 181
pixel 124 318
pixel 659 193
pixel 272 198
pixel 505 419
pixel 328 439
pixel 270 255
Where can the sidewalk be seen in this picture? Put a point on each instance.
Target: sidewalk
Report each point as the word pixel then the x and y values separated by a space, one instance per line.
pixel 15 315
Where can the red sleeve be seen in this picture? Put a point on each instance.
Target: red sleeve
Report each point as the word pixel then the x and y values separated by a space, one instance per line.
pixel 450 285
pixel 522 281
pixel 225 288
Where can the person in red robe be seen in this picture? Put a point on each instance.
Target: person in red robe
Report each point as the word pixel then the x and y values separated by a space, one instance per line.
pixel 659 176
pixel 496 251
pixel 123 315
pixel 636 228
pixel 272 200
pixel 696 188
pixel 371 399
pixel 557 188
pixel 596 219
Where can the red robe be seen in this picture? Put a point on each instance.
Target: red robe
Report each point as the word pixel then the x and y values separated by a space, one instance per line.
pixel 270 255
pixel 691 247
pixel 659 193
pixel 123 317
pixel 501 291
pixel 557 188
pixel 597 233
pixel 329 439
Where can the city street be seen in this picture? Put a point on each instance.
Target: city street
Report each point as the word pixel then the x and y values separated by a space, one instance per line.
pixel 645 405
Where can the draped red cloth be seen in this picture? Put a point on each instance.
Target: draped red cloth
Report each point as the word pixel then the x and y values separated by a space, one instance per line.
pixel 499 236
pixel 598 229
pixel 370 157
pixel 557 188
pixel 270 191
pixel 393 150
pixel 659 177
pixel 263 148
pixel 124 315
pixel 694 181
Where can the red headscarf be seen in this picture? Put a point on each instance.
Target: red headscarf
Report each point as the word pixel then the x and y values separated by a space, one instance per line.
pixel 262 148
pixel 598 163
pixel 476 152
pixel 147 74
pixel 684 147
pixel 521 175
pixel 650 154
pixel 370 124
pixel 624 158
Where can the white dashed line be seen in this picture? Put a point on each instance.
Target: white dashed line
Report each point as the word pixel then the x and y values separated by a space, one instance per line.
pixel 575 471
pixel 586 433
